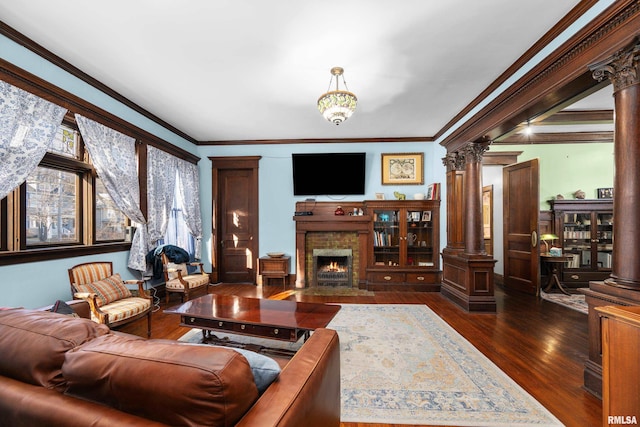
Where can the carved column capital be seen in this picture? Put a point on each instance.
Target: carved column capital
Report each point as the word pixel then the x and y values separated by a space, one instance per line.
pixel 473 152
pixel 454 161
pixel 622 69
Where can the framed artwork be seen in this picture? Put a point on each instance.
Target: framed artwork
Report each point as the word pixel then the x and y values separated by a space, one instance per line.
pixel 605 193
pixel 426 216
pixel 402 168
pixel 379 196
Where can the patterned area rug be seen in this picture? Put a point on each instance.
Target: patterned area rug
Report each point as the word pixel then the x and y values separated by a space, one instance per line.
pixel 403 364
pixel 573 301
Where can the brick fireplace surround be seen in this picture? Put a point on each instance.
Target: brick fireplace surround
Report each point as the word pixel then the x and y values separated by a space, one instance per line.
pixel 324 230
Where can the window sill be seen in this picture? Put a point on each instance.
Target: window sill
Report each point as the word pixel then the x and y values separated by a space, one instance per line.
pixel 60 252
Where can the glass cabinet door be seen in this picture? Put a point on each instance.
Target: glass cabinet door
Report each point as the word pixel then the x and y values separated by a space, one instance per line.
pixel 604 242
pixel 577 239
pixel 419 239
pixel 386 237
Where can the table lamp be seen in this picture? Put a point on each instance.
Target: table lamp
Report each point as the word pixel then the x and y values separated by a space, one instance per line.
pixel 546 238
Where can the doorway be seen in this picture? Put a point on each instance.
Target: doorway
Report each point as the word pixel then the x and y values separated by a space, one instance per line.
pixel 521 206
pixel 235 218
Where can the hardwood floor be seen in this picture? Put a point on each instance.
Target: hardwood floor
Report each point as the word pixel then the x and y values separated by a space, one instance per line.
pixel 541 345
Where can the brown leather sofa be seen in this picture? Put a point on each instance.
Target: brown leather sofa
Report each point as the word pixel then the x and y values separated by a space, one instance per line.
pixel 59 370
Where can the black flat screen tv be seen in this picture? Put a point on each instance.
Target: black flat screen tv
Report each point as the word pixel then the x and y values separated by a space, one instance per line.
pixel 325 174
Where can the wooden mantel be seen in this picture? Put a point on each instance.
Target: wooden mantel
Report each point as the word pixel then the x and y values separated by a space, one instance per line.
pixel 325 220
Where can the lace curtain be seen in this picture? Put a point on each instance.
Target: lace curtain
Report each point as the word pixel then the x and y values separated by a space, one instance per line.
pixel 161 182
pixel 114 156
pixel 189 194
pixel 28 125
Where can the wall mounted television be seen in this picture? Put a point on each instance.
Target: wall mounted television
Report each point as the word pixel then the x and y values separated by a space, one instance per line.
pixel 326 174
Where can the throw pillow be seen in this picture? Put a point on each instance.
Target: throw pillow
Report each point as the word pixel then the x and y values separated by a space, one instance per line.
pixel 264 369
pixel 110 289
pixel 62 307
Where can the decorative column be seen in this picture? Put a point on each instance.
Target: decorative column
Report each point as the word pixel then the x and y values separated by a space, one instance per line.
pixel 454 162
pixel 622 288
pixel 467 271
pixel 624 72
pixel 473 237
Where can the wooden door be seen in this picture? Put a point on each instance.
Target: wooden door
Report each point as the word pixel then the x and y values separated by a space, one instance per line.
pixel 521 205
pixel 235 218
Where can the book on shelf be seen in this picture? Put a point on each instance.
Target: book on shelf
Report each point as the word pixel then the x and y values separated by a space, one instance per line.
pixel 433 191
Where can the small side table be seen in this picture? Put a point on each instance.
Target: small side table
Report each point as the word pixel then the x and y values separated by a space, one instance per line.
pixel 554 267
pixel 274 268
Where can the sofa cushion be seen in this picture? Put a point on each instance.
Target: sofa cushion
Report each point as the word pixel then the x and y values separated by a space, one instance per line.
pixel 265 370
pixel 156 379
pixel 33 344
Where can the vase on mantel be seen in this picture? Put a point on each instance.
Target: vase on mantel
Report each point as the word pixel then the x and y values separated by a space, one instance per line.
pixel 339 211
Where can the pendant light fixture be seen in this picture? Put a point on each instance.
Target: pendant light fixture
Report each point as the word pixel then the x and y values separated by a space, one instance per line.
pixel 337 105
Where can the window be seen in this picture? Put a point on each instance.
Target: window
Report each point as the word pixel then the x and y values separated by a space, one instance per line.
pixel 62 203
pixel 52 197
pixel 110 222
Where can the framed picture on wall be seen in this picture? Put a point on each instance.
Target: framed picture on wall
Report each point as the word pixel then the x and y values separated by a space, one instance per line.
pixel 605 193
pixel 402 168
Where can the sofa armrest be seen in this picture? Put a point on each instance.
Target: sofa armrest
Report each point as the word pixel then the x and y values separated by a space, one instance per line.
pixel 307 392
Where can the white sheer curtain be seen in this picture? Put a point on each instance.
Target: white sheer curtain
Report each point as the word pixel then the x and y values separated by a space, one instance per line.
pixel 161 182
pixel 28 125
pixel 114 156
pixel 189 194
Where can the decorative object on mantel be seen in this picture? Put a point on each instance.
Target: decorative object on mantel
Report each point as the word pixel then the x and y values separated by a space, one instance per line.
pixel 579 194
pixel 339 211
pixel 379 196
pixel 559 197
pixel 418 196
pixel 337 105
pixel 399 195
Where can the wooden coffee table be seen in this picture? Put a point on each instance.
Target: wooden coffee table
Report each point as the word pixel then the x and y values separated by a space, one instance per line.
pixel 264 318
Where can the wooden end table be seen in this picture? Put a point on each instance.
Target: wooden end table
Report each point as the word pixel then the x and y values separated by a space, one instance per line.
pixel 274 268
pixel 554 266
pixel 282 320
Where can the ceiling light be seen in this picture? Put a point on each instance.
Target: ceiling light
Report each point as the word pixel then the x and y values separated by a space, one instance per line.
pixel 337 105
pixel 528 130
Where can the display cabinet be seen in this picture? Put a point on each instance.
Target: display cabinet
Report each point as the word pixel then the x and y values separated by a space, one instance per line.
pixel 404 245
pixel 585 230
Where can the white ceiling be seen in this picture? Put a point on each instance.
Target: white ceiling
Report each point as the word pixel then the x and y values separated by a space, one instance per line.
pixel 254 69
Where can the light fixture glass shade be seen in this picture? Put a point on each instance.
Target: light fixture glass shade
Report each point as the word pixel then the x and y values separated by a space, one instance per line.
pixel 337 105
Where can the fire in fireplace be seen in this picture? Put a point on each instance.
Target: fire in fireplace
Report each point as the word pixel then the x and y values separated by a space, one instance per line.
pixel 332 267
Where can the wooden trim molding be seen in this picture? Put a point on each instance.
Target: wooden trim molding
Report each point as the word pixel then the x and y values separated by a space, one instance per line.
pixel 27 43
pixel 34 84
pixel 562 78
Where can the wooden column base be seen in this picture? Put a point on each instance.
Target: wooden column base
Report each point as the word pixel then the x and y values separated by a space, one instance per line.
pixel 468 281
pixel 601 294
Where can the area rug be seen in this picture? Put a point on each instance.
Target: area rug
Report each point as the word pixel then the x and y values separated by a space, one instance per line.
pixel 574 301
pixel 402 364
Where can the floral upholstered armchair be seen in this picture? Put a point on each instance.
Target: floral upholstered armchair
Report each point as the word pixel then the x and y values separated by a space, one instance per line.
pixel 111 301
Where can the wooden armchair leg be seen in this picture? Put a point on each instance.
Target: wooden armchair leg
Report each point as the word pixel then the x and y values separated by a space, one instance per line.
pixel 149 325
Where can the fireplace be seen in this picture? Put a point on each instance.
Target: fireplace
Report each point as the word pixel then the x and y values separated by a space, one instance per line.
pixel 332 267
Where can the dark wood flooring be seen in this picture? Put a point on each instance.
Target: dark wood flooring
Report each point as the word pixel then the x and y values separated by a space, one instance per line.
pixel 541 345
